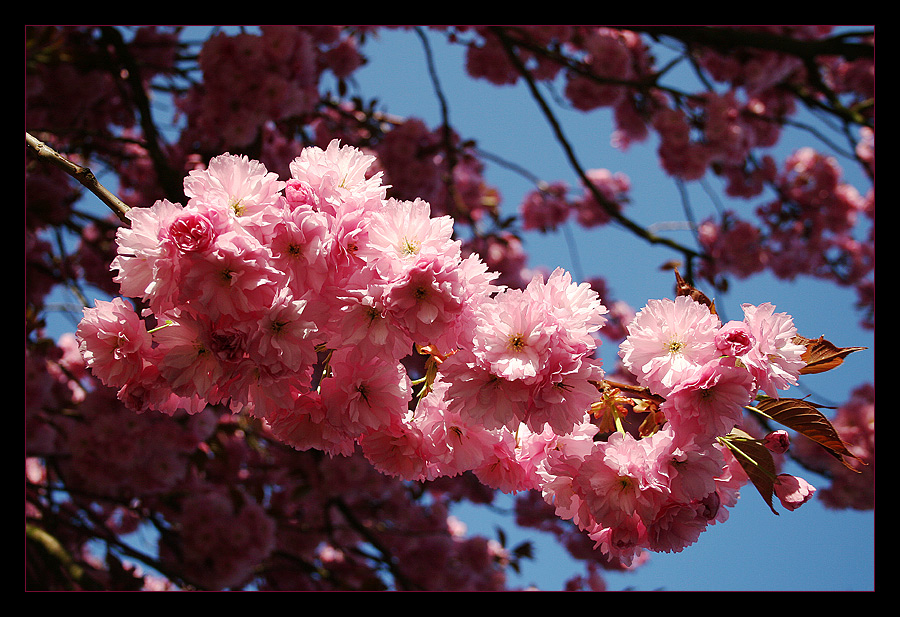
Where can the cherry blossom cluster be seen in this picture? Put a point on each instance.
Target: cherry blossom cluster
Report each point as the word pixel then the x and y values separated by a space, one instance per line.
pixel 298 302
pixel 203 481
pixel 662 488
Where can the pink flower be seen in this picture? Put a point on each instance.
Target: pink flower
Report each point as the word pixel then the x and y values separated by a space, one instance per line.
pixel 777 441
pixel 710 398
pixel 618 480
pixel 576 309
pixel 299 240
pixel 734 339
pixel 304 426
pixel 454 443
pixel 285 336
pixel 427 299
pixel 403 232
pixel 113 341
pixel 192 232
pixel 546 208
pixel 146 265
pixel 776 359
pixel 185 356
pixel 478 395
pixel 677 526
pixel 224 535
pixel 364 393
pixel 793 491
pixel 513 338
pixel 690 466
pixel 234 279
pixel 361 320
pixel 561 400
pixel 234 182
pixel 623 542
pixel 667 339
pixel 338 176
pixel 397 450
pixel 502 469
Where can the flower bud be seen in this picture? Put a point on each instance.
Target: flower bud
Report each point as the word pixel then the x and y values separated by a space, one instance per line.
pixel 777 441
pixel 793 491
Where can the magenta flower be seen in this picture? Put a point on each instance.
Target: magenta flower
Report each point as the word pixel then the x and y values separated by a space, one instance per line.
pixel 192 232
pixel 735 339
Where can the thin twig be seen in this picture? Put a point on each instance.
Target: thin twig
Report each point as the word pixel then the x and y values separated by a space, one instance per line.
pixel 611 208
pixel 84 175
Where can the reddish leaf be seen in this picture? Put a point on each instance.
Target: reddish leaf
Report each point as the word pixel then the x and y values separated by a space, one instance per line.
pixel 805 418
pixel 822 355
pixel 757 462
pixel 682 288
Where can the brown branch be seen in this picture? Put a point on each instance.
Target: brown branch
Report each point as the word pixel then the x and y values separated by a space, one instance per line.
pixel 610 207
pixel 84 175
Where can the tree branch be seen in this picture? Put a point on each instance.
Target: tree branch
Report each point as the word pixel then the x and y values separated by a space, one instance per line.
pixel 611 208
pixel 84 175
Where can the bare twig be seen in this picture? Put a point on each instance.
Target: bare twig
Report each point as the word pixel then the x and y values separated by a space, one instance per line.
pixel 611 208
pixel 84 175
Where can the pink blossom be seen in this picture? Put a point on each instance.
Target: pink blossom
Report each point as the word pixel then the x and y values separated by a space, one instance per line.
pixel 192 232
pixel 304 426
pixel 513 338
pixel 185 357
pixel 575 308
pixel 691 465
pixel 113 341
pixel 403 232
pixel 561 399
pixel 285 335
pixel 613 189
pixel 454 443
pixel 501 468
pixel 734 339
pixel 299 240
pixel 397 450
pixel 478 395
pixel 234 182
pixel 793 491
pixel 234 279
pixel 623 542
pixel 427 298
pixel 777 441
pixel 776 359
pixel 338 176
pixel 299 193
pixel 709 399
pixel 146 265
pixel 619 479
pixel 676 526
pixel 224 535
pixel 546 208
pixel 362 394
pixel 667 339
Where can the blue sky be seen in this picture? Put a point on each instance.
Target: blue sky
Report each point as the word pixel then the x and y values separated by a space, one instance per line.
pixel 809 549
